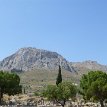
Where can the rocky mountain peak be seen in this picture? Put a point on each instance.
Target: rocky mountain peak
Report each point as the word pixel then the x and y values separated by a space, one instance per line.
pixel 26 59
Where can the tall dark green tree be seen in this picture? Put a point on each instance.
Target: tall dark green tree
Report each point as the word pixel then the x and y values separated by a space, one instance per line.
pixel 9 84
pixel 59 77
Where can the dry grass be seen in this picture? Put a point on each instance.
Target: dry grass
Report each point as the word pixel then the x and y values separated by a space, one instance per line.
pixel 37 79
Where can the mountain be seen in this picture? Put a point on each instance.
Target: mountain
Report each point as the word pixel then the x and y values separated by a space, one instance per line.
pixel 88 65
pixel 27 59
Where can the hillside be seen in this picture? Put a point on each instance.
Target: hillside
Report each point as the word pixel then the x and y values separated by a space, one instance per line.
pixel 39 78
pixel 85 66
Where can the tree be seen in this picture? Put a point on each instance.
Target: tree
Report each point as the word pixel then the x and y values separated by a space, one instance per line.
pixel 59 77
pixel 9 84
pixel 94 86
pixel 60 93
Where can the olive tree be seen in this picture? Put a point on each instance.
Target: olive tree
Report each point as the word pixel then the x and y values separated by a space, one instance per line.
pixel 60 93
pixel 94 86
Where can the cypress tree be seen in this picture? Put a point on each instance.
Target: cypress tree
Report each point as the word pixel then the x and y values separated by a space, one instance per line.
pixel 59 77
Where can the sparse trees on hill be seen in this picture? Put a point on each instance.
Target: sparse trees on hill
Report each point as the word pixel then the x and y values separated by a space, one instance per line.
pixel 94 86
pixel 9 84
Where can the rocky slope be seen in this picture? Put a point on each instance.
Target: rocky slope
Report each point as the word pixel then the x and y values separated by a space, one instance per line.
pixel 27 59
pixel 88 65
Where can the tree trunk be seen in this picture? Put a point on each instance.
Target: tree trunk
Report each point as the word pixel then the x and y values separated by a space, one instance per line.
pixel 63 103
pixel 1 95
pixel 101 102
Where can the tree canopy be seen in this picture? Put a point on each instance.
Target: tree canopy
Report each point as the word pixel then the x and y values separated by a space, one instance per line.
pixel 9 84
pixel 94 86
pixel 60 93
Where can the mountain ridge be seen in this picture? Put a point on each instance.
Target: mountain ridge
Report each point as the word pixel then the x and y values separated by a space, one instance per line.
pixel 28 58
pixel 88 65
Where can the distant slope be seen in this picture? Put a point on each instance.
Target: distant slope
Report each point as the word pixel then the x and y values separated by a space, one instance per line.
pixel 27 59
pixel 83 67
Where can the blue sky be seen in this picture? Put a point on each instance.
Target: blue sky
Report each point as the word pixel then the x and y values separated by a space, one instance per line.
pixel 77 29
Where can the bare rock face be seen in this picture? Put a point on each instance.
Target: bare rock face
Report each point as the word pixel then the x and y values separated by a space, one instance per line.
pixel 27 59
